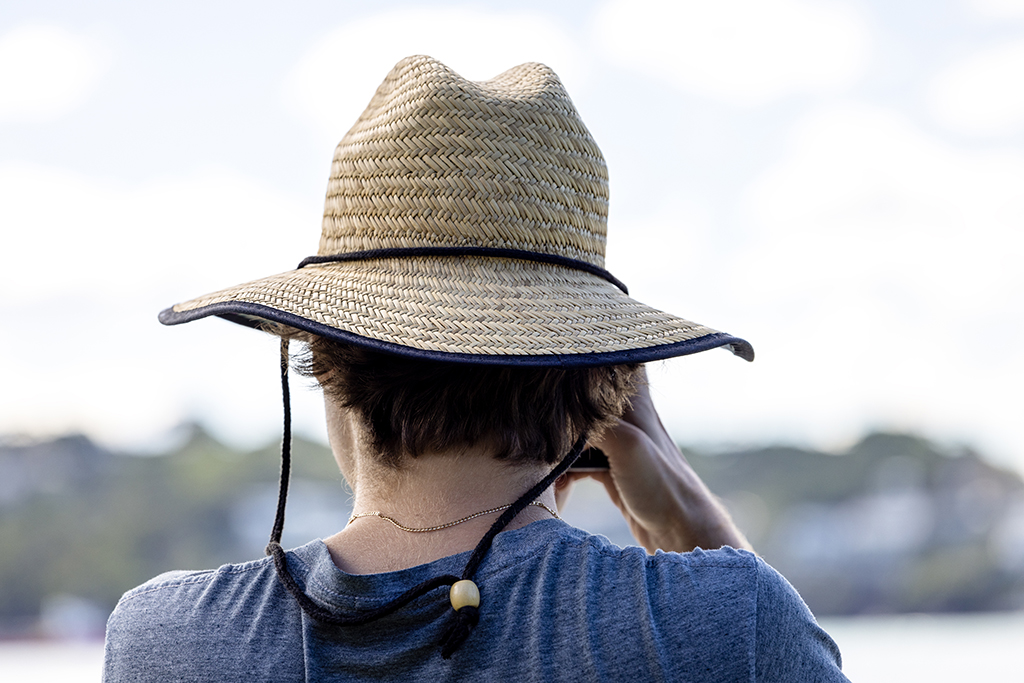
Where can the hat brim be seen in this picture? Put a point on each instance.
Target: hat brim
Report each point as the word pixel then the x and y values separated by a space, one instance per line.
pixel 464 309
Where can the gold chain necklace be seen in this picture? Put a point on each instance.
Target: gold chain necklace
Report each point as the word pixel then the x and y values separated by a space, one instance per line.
pixel 421 530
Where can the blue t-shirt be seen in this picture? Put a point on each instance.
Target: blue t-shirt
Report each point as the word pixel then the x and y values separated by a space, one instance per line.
pixel 557 604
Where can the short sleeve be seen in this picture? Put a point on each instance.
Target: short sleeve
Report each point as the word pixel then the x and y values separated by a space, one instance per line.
pixel 790 646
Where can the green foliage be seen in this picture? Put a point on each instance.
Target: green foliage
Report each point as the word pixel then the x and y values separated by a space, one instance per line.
pixel 119 520
pixel 893 524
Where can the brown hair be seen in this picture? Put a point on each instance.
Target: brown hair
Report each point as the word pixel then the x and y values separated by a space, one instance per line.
pixel 411 406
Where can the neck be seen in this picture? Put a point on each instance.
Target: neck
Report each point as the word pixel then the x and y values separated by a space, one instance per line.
pixel 431 490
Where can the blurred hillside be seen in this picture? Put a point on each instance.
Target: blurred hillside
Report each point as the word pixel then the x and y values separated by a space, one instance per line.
pixel 892 525
pixel 80 525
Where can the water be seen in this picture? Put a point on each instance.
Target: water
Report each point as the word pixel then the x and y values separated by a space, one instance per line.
pixel 937 649
pixel 50 662
pixel 934 648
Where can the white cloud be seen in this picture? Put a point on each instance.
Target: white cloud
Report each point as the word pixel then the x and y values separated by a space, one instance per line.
pixel 46 71
pixel 743 52
pixel 94 366
pixel 982 94
pixel 666 259
pixel 865 197
pixel 885 266
pixel 85 267
pixel 998 9
pixel 69 233
pixel 333 82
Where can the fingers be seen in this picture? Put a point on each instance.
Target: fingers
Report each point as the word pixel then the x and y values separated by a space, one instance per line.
pixel 621 442
pixel 609 486
pixel 563 489
pixel 636 478
pixel 643 415
pixel 649 480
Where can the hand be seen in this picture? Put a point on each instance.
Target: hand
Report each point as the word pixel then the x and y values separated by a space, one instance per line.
pixel 666 504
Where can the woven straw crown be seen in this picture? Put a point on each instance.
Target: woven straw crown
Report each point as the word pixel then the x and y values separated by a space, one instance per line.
pixel 436 160
pixel 504 171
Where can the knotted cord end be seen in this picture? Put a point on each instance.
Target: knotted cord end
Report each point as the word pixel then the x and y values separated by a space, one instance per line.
pixel 462 623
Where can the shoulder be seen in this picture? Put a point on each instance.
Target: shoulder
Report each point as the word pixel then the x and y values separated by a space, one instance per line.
pixel 726 568
pixel 186 600
pixel 723 611
pixel 693 613
pixel 179 622
pixel 571 537
pixel 602 560
pixel 742 595
pixel 790 644
pixel 183 587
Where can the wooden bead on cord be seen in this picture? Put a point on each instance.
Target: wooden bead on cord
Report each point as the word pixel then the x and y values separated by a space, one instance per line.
pixel 464 594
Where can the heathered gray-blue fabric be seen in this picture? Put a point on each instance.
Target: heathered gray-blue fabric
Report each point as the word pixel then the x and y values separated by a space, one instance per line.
pixel 557 605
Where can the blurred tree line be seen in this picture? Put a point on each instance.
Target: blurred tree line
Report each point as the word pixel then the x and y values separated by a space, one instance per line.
pixel 78 520
pixel 894 524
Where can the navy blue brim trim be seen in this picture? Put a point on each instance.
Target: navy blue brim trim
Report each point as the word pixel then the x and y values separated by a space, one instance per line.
pixel 242 312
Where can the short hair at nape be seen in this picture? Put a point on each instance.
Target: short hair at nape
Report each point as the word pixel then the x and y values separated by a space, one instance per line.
pixel 412 406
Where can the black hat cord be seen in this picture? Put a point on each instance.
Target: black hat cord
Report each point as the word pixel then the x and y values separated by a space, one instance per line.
pixel 464 618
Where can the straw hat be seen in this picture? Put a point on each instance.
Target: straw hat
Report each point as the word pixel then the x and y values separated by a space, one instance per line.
pixel 466 221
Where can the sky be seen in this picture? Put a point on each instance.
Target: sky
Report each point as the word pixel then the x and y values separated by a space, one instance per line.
pixel 841 183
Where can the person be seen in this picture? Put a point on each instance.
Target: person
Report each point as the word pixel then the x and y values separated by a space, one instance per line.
pixel 471 346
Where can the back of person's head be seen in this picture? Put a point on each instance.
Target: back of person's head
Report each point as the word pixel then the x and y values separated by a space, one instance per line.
pixel 412 406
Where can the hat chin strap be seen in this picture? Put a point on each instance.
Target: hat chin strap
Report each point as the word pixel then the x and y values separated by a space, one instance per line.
pixel 464 618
